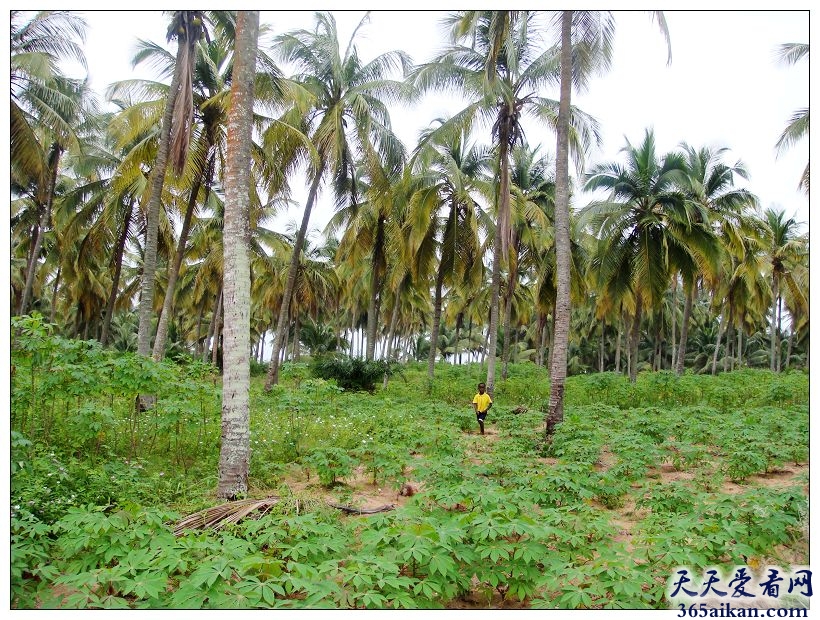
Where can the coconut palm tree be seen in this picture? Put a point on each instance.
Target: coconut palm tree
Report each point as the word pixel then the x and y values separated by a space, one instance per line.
pixel 646 227
pixel 585 48
pixel 38 43
pixel 443 220
pixel 710 184
pixel 234 455
pixel 532 204
pixel 187 27
pixel 784 249
pixel 501 73
pixel 347 116
pixel 798 127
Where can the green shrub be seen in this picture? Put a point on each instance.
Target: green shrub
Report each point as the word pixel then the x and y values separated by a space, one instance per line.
pixel 353 373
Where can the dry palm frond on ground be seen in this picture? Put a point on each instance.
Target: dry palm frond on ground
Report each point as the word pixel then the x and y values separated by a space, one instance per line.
pixel 218 517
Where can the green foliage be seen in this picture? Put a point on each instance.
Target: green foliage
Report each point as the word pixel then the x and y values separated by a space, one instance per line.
pixel 353 373
pixel 497 519
pixel 330 464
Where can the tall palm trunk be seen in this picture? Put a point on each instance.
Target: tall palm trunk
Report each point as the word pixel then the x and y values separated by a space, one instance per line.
pixel 789 348
pixel 375 296
pixel 673 312
pixel 53 314
pixel 618 349
pixel 456 351
pixel 234 456
pixel 558 369
pixel 684 328
pixel 282 323
pixel 499 246
pixel 431 358
pixel 635 339
pixel 217 330
pixel 721 329
pixel 45 220
pixel 774 334
pixel 216 310
pixel 297 349
pixel 779 342
pixel 391 333
pixel 740 343
pixel 115 281
pixel 149 265
pixel 168 303
pixel 601 347
pixel 508 299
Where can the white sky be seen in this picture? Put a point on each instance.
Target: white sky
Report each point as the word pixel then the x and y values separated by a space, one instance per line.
pixel 724 86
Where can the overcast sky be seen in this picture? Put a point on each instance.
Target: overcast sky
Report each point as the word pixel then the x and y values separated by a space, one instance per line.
pixel 723 88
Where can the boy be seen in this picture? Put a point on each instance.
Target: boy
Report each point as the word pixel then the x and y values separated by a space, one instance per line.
pixel 481 405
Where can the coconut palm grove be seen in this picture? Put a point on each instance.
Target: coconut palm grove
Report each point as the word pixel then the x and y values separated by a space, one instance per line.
pixel 210 409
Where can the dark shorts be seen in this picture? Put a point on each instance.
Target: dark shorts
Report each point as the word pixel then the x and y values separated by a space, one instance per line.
pixel 480 415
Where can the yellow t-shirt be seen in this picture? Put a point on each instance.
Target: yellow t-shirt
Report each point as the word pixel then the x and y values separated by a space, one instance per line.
pixel 482 401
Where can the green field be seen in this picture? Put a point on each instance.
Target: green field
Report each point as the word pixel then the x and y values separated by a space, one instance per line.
pixel 638 480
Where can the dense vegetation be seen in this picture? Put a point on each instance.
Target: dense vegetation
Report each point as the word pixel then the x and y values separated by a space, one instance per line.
pixel 640 478
pixel 406 266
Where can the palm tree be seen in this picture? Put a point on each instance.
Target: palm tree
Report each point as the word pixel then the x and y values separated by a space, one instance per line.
pixel 585 48
pixel 36 48
pixel 647 229
pixel 348 115
pixel 798 127
pixel 533 195
pixel 784 249
pixel 187 28
pixel 501 73
pixel 443 221
pixel 710 184
pixel 45 110
pixel 234 456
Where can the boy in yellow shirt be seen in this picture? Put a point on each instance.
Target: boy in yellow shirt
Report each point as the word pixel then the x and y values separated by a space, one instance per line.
pixel 481 405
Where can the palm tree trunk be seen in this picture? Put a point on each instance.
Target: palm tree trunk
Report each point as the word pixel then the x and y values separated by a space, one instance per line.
pixel 45 220
pixel 431 358
pixel 198 329
pixel 394 319
pixel 492 334
pixel 779 342
pixel 635 340
pixel 601 347
pixel 235 453
pixel 674 319
pixel 684 328
pixel 789 348
pixel 168 302
pixel 558 370
pixel 773 340
pixel 721 329
pixel 149 265
pixel 115 282
pixel 216 310
pixel 618 349
pixel 273 369
pixel 297 350
pixel 217 329
pixel 284 356
pixel 53 314
pixel 728 339
pixel 456 351
pixel 740 344
pixel 375 286
pixel 508 299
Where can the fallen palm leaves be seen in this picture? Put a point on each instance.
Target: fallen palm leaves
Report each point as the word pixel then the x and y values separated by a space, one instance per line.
pixel 218 517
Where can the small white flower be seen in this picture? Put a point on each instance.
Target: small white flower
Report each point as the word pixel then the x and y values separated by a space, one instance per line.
pixel 162 473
